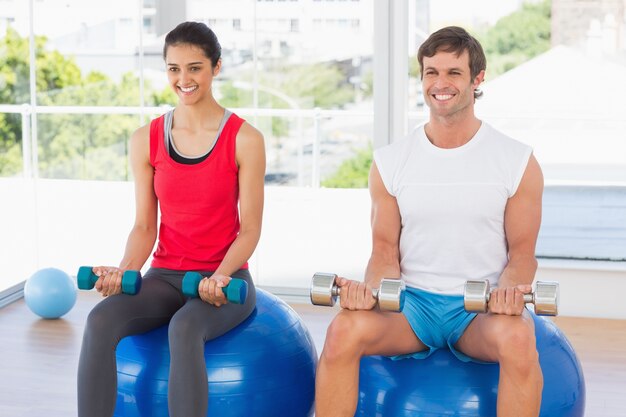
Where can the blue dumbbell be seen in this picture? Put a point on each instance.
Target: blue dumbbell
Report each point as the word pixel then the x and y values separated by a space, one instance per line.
pixel 131 280
pixel 236 291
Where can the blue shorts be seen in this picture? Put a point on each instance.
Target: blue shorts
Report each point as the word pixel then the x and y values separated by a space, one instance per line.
pixel 438 321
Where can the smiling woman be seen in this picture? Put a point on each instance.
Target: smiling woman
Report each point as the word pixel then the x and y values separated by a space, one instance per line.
pixel 203 168
pixel 192 54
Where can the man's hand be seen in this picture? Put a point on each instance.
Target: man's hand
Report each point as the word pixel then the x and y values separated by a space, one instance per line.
pixel 355 295
pixel 509 300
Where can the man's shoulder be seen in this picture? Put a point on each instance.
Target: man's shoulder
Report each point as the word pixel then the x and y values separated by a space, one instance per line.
pixel 403 144
pixel 503 139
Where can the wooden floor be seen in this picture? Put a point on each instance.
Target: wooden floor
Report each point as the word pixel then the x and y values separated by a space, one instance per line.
pixel 38 358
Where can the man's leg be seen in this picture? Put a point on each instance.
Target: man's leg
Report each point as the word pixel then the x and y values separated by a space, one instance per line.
pixel 351 335
pixel 510 341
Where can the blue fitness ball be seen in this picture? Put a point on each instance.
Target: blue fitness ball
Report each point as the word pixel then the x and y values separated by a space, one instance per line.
pixel 50 293
pixel 265 367
pixel 442 385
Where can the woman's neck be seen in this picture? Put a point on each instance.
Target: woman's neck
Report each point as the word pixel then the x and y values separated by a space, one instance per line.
pixel 198 115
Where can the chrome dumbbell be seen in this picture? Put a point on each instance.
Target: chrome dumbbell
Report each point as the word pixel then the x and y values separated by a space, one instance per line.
pixel 324 292
pixel 545 298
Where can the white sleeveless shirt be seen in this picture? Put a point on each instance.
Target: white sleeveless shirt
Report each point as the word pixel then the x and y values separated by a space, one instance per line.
pixel 452 204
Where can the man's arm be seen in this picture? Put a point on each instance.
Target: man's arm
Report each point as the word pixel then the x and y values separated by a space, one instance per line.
pixel 386 224
pixel 385 258
pixel 522 219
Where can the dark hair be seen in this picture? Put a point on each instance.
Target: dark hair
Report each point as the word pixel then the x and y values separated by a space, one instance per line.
pixel 454 39
pixel 196 34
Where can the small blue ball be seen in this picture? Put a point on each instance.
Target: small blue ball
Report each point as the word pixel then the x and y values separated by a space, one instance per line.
pixel 50 293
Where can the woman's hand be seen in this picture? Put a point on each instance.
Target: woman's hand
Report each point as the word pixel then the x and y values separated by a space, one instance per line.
pixel 109 280
pixel 210 289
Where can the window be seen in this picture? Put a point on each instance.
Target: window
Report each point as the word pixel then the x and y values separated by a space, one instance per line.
pixel 298 86
pixel 575 142
pixel 305 79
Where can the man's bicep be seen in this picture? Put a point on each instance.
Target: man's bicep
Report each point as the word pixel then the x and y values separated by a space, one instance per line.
pixel 523 212
pixel 385 214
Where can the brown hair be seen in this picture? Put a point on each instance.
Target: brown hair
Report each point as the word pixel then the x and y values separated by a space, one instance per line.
pixel 196 34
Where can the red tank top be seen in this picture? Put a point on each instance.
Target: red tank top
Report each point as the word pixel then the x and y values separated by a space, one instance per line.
pixel 198 202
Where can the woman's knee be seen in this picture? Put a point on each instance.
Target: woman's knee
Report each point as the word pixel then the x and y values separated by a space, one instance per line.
pixel 100 320
pixel 182 328
pixel 101 329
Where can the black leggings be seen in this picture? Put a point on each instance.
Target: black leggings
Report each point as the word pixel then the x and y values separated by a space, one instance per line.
pixel 192 323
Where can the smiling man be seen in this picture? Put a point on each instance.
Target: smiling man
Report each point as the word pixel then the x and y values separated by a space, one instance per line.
pixel 453 201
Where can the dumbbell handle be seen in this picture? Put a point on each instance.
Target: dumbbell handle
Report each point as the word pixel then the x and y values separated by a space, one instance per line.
pixel 235 292
pixel 545 297
pixel 392 303
pixel 528 298
pixel 336 292
pixel 131 280
pixel 389 296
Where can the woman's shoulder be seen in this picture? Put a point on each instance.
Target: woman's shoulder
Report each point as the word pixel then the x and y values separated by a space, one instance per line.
pixel 249 133
pixel 142 134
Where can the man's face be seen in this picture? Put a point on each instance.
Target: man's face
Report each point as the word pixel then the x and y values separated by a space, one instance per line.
pixel 448 85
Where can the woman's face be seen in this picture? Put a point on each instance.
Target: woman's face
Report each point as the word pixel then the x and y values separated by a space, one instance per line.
pixel 190 73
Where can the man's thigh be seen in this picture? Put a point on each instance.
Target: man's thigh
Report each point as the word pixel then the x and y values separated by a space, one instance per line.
pixel 383 333
pixel 480 339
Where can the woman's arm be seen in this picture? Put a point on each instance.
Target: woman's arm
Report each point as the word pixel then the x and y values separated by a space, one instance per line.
pixel 250 156
pixel 143 234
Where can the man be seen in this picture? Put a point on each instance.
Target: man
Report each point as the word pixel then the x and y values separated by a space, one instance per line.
pixel 455 200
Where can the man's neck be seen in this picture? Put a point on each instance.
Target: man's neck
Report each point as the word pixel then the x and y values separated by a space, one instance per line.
pixel 447 134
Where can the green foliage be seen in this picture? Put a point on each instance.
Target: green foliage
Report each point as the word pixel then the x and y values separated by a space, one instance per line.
pixel 95 146
pixel 513 40
pixel 10 145
pixel 368 84
pixel 165 97
pixel 518 37
pixel 232 97
pixel 14 68
pixel 318 85
pixel 305 86
pixel 70 146
pixel 353 172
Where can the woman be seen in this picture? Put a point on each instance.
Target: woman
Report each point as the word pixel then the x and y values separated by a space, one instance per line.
pixel 203 167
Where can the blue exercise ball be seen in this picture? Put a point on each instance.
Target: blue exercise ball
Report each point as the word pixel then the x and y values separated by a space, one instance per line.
pixel 442 385
pixel 50 293
pixel 265 367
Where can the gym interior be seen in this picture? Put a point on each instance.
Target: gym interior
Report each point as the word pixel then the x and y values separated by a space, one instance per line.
pixel 68 198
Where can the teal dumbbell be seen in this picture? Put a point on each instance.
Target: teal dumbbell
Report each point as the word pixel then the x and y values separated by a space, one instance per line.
pixel 131 280
pixel 236 291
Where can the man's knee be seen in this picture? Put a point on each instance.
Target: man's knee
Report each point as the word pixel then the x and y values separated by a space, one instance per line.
pixel 346 336
pixel 516 344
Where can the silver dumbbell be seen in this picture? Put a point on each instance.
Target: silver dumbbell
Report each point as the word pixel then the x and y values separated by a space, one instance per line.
pixel 545 298
pixel 324 292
